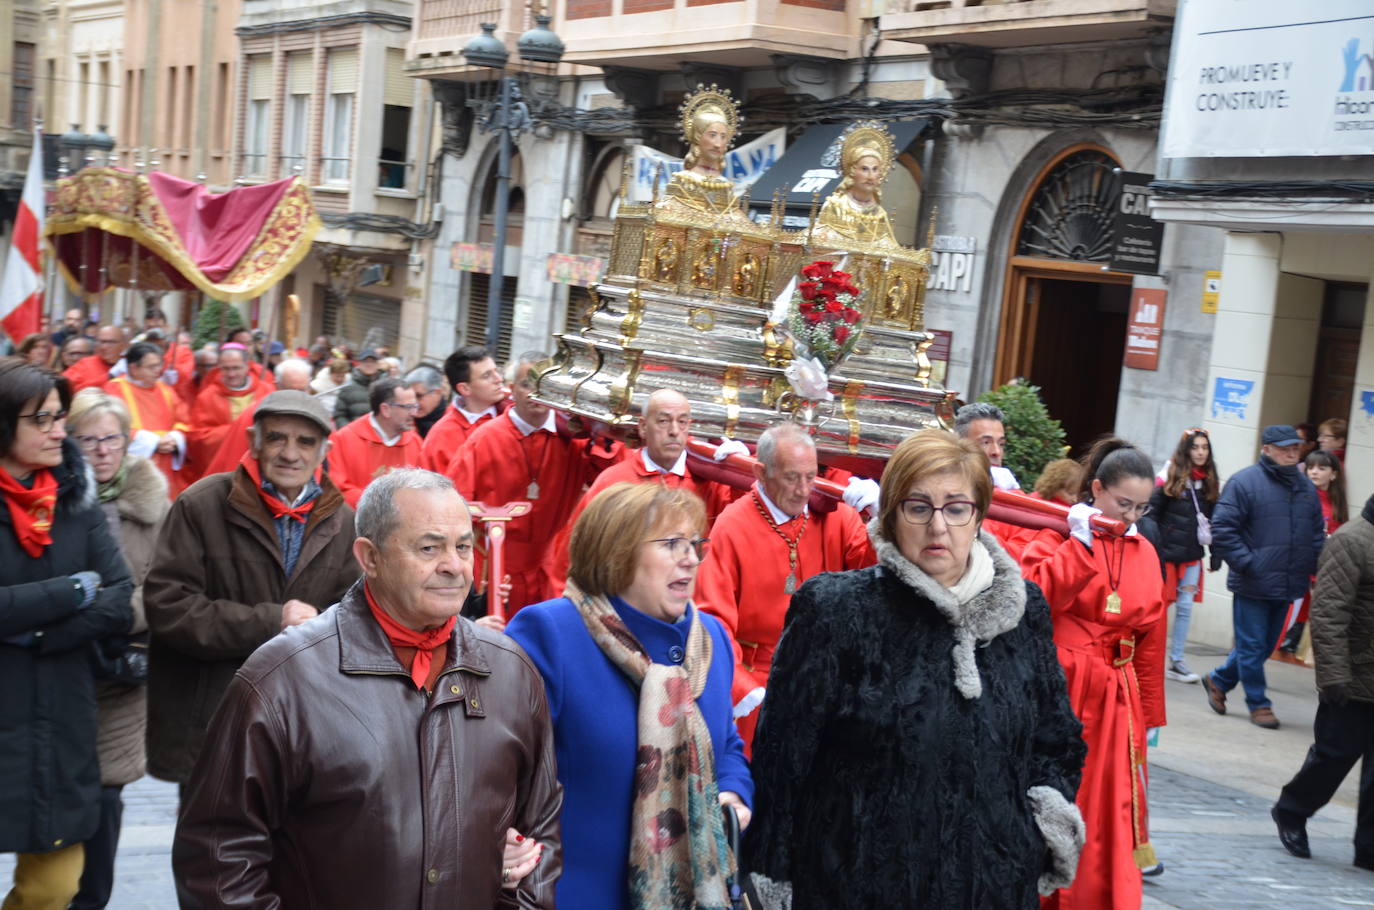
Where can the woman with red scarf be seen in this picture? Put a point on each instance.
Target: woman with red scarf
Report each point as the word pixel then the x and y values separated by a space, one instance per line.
pixel 1109 621
pixel 1323 468
pixel 64 587
pixel 1182 510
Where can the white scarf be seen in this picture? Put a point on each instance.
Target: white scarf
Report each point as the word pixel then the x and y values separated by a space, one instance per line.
pixel 977 578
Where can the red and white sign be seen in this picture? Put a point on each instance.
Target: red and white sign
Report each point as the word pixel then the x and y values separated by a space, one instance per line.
pixel 1145 328
pixel 21 288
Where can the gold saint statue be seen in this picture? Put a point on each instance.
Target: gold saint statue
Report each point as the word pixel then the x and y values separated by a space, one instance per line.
pixel 710 120
pixel 853 213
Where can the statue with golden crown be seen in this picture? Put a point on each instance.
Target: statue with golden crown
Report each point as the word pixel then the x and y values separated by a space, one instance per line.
pixel 710 119
pixel 854 213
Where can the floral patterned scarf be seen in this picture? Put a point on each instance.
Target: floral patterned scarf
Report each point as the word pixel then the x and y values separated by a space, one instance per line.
pixel 679 859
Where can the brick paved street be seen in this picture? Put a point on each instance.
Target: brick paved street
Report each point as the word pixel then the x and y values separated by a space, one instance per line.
pixel 1213 780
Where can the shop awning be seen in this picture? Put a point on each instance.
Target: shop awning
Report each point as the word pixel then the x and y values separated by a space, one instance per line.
pixel 800 166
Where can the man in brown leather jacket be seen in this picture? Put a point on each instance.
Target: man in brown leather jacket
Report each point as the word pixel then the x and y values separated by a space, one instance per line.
pixel 375 756
pixel 241 556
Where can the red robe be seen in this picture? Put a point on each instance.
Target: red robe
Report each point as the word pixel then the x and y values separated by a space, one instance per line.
pixel 632 470
pixel 1117 691
pixel 213 416
pixel 440 448
pixel 358 455
pixel 90 371
pixel 181 358
pixel 742 581
pixel 157 410
pixel 236 442
pixel 497 465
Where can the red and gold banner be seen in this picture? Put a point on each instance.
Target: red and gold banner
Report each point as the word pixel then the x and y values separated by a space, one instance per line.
pixel 115 228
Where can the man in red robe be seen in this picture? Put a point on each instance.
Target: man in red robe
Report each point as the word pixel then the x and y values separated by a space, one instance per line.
pixel 292 375
pixel 226 394
pixel 94 371
pixel 664 429
pixel 520 457
pixel 763 546
pixel 377 442
pixel 478 394
pixel 157 416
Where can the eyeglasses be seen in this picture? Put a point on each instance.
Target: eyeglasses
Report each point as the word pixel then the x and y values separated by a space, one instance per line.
pixel 44 420
pixel 679 547
pixel 957 513
pixel 412 407
pixel 1127 507
pixel 92 444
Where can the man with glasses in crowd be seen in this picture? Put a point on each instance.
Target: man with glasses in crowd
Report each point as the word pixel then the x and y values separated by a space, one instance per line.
pixel 479 392
pixel 242 556
pixel 763 546
pixel 380 441
pixel 95 369
pixel 1268 528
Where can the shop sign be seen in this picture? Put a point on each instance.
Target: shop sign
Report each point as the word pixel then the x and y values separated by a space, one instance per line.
pixel 1267 78
pixel 582 271
pixel 938 354
pixel 1145 328
pixel 951 263
pixel 471 257
pixel 1231 397
pixel 743 165
pixel 1137 237
pixel 1211 290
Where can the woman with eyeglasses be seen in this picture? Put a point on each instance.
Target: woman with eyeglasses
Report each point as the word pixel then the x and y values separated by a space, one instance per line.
pixel 1110 622
pixel 638 684
pixel 63 586
pixel 1181 508
pixel 916 746
pixel 133 496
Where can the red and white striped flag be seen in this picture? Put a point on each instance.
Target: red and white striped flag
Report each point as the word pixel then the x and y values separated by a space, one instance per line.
pixel 21 287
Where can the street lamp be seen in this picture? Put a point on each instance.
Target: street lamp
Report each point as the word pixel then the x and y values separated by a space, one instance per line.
pixel 508 116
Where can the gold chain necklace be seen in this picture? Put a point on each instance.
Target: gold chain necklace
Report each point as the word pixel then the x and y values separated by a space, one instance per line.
pixel 790 587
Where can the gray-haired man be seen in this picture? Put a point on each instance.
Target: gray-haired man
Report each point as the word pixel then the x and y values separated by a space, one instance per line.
pixel 986 425
pixel 376 755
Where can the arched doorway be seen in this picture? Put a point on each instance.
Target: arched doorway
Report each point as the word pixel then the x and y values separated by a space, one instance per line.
pixel 1063 324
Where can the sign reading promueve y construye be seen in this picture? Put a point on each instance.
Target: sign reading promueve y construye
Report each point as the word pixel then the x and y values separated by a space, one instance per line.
pixel 1137 237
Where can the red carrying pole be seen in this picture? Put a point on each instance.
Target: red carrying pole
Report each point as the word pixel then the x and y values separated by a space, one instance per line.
pixel 494 519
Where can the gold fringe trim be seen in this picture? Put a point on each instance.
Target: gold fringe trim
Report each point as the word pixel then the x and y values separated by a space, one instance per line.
pixel 1144 856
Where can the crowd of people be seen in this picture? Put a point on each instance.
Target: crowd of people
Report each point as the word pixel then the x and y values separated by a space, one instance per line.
pixel 260 577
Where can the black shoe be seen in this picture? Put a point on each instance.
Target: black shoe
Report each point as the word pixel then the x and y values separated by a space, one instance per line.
pixel 1156 869
pixel 1293 837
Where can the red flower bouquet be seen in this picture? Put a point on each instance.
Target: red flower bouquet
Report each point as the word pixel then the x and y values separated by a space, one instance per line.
pixel 825 321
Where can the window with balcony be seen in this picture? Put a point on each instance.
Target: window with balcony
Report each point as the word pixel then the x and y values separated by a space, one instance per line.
pixel 397 95
pixel 21 93
pixel 258 116
pixel 338 114
pixel 296 124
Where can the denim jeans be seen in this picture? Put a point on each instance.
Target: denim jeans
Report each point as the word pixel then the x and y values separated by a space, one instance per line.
pixel 1258 625
pixel 1183 608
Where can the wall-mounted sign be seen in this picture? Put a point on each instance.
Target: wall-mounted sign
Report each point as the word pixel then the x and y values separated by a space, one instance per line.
pixel 1211 291
pixel 1265 78
pixel 582 271
pixel 1137 237
pixel 1231 398
pixel 1145 328
pixel 951 263
pixel 743 165
pixel 471 257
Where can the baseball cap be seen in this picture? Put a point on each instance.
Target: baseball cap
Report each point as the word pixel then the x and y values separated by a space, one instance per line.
pixel 1281 434
pixel 369 352
pixel 291 403
pixel 276 348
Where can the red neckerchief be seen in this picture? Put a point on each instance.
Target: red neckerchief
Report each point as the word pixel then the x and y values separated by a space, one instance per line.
pixel 274 505
pixel 1198 473
pixel 423 642
pixel 31 509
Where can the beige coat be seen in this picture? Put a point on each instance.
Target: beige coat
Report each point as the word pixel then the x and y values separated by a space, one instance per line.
pixel 135 517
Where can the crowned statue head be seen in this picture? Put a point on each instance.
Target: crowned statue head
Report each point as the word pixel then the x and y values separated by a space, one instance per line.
pixel 710 119
pixel 865 158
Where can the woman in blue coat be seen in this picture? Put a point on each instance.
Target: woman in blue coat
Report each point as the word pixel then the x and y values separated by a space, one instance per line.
pixel 638 687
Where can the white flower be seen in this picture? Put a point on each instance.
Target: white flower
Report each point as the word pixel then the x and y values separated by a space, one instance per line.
pixel 809 379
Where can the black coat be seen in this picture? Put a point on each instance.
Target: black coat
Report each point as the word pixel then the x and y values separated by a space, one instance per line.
pixel 1268 526
pixel 1176 518
pixel 49 772
pixel 894 766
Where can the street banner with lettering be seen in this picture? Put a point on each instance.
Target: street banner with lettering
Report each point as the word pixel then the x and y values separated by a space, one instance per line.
pixel 743 165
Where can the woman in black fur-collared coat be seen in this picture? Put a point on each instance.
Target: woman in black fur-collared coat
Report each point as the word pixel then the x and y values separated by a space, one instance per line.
pixel 916 746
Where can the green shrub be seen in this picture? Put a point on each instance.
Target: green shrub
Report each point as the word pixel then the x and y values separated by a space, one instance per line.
pixel 1034 438
pixel 208 329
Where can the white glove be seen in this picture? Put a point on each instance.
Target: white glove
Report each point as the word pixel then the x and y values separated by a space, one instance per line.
pixel 1080 514
pixel 730 447
pixel 1003 478
pixel 144 443
pixel 861 493
pixel 748 703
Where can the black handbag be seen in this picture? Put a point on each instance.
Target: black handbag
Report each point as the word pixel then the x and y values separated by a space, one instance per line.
pixel 121 659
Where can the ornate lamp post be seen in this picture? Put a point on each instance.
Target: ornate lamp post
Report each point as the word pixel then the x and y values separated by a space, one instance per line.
pixel 508 116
